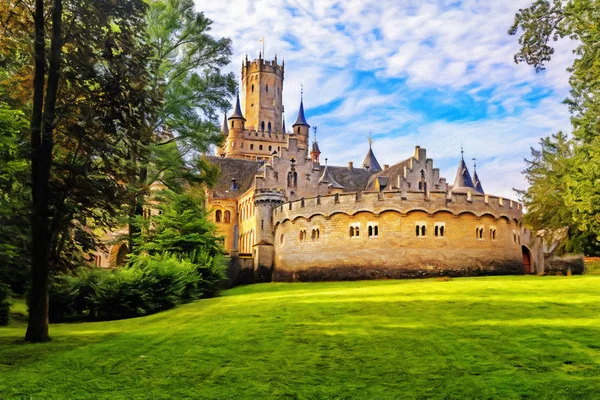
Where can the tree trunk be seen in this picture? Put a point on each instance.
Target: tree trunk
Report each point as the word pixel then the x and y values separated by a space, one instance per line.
pixel 42 129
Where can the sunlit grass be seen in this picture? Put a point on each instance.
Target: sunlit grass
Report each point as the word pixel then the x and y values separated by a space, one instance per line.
pixel 498 337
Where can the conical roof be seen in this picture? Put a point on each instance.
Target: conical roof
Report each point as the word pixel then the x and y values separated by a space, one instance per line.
pixel 327 178
pixel 463 178
pixel 225 127
pixel 477 183
pixel 370 162
pixel 237 113
pixel 315 147
pixel 301 120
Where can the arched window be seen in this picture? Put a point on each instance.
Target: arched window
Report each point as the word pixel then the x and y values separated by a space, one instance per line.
pixel 298 129
pixel 251 146
pixel 351 231
pixel 336 198
pixel 227 217
pixel 437 231
pixel 423 230
pixel 262 126
pixel 252 88
pixel 260 147
pixel 232 124
pixel 418 230
pixel 356 231
pixel 370 231
pixel 267 88
pixel 218 216
pixel 270 147
pixel 269 127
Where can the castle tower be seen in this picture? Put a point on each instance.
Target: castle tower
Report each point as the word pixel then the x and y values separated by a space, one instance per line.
pixel 301 128
pixel 262 87
pixel 476 181
pixel 235 130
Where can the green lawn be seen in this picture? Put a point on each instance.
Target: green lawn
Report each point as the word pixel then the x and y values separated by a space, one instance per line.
pixel 499 337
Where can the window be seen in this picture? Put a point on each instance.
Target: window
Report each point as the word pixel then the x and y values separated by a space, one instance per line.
pixel 479 233
pixel 492 233
pixel 355 230
pixel 373 230
pixel 298 129
pixel 251 146
pixel 420 229
pixel 270 148
pixel 439 229
pixel 302 235
pixel 227 217
pixel 232 124
pixel 218 216
pixel 315 234
pixel 269 127
pixel 281 238
pixel 267 88
pixel 262 126
pixel 252 88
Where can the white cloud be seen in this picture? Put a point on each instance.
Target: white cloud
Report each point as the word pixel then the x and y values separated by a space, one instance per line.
pixel 406 48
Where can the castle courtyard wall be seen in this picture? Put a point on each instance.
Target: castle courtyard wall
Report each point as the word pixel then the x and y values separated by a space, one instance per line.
pixel 396 251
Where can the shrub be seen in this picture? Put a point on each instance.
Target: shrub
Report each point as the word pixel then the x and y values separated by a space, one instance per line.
pixel 150 284
pixel 4 304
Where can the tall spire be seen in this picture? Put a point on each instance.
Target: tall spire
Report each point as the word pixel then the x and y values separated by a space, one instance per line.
pixel 301 120
pixel 370 162
pixel 237 112
pixel 225 127
pixel 476 181
pixel 315 151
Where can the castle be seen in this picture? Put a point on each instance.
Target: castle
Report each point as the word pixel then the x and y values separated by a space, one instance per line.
pixel 287 216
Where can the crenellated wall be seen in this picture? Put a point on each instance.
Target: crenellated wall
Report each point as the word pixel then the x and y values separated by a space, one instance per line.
pixel 317 238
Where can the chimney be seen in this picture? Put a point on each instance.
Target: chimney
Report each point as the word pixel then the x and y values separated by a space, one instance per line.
pixel 386 166
pixel 350 165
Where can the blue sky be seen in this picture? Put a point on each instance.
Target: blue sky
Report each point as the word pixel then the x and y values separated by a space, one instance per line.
pixel 428 73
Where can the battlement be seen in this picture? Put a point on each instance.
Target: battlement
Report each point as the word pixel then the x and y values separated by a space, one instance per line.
pixel 261 65
pixel 401 202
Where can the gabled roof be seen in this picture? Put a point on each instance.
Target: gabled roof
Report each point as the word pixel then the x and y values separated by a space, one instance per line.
pixel 237 113
pixel 370 162
pixel 301 120
pixel 327 178
pixel 243 171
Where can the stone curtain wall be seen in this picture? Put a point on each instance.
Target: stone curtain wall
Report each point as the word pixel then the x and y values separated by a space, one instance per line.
pixel 315 241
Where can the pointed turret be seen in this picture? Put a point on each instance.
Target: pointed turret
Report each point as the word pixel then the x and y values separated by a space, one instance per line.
pixel 476 181
pixel 237 112
pixel 301 127
pixel 301 120
pixel 315 152
pixel 463 181
pixel 225 127
pixel 370 162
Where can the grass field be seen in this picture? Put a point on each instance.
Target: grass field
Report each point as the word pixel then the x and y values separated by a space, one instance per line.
pixel 499 337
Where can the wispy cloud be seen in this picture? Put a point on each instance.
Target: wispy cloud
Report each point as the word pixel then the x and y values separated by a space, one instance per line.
pixel 429 73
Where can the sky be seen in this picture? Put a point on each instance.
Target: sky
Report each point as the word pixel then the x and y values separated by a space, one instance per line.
pixel 436 74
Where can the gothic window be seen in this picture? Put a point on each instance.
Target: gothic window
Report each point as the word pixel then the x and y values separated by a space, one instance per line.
pixel 292 179
pixel 492 233
pixel 218 216
pixel 262 126
pixel 423 230
pixel 227 217
pixel 269 127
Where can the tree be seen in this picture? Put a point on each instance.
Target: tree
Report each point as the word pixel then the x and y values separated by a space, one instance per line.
pixel 81 141
pixel 187 71
pixel 545 21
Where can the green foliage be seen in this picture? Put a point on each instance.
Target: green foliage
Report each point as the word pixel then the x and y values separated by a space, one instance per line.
pixel 519 337
pixel 14 200
pixel 578 187
pixel 180 228
pixel 150 284
pixel 4 304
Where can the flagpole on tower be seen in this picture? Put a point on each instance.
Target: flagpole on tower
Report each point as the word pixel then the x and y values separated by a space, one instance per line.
pixel 263 46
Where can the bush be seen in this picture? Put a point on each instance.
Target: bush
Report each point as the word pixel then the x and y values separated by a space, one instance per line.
pixel 150 284
pixel 4 304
